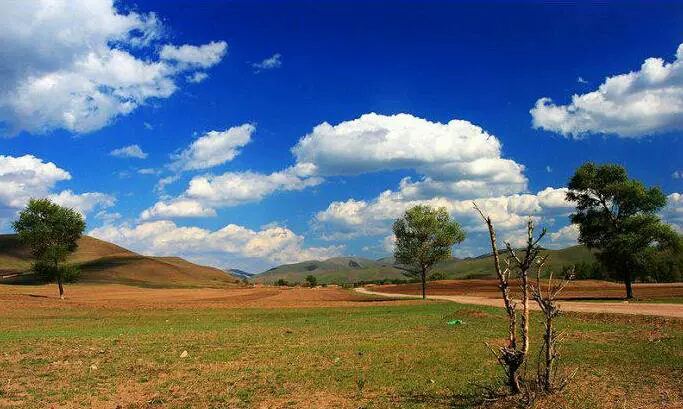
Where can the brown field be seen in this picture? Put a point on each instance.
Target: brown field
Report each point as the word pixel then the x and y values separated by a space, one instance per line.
pixel 124 297
pixel 577 290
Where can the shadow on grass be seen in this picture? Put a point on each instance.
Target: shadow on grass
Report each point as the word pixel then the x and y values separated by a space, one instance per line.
pixel 478 398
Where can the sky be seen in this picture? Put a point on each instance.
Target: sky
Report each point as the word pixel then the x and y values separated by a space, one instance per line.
pixel 250 134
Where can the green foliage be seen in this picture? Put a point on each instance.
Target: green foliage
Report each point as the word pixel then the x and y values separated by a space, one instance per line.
pixel 437 276
pixel 424 237
pixel 49 273
pixel 618 217
pixel 311 280
pixel 282 283
pixel 585 270
pixel 49 230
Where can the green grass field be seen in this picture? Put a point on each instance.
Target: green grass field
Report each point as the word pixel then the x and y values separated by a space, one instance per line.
pixel 403 357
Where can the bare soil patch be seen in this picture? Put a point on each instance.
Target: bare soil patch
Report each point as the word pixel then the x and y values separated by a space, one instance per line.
pixel 577 290
pixel 114 296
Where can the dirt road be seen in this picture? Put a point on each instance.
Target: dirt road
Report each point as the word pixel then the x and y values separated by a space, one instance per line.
pixel 657 309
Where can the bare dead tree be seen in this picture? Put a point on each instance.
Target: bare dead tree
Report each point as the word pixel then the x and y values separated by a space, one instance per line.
pixel 512 356
pixel 547 302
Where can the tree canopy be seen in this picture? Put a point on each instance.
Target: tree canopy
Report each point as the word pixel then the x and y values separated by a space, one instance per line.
pixel 618 217
pixel 424 237
pixel 51 232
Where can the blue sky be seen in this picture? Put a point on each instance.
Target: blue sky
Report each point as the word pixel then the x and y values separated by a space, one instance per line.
pixel 285 130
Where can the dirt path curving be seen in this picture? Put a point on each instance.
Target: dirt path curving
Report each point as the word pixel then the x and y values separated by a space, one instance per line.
pixel 656 309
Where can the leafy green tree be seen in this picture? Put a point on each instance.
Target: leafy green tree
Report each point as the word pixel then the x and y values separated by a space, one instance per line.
pixel 617 216
pixel 424 237
pixel 311 280
pixel 51 232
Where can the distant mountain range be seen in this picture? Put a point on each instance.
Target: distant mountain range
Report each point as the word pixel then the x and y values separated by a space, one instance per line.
pixel 353 269
pixel 239 273
pixel 103 262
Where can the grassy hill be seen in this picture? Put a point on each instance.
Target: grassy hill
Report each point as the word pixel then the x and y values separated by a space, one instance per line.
pixel 352 269
pixel 103 262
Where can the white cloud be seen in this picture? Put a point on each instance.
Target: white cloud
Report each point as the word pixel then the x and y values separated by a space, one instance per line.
pixel 673 212
pixel 148 171
pixel 108 217
pixel 148 126
pixel 644 102
pixel 207 192
pixel 564 237
pixel 83 203
pixel 678 174
pixel 275 61
pixel 131 151
pixel 177 208
pixel 204 56
pixel 457 159
pixel 213 149
pixel 26 177
pixel 197 77
pixel 354 218
pixel 232 245
pixel 78 65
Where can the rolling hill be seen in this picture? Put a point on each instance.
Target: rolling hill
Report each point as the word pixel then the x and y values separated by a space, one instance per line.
pixel 352 269
pixel 103 262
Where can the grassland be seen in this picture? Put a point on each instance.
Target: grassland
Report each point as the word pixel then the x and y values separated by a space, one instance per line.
pixel 95 350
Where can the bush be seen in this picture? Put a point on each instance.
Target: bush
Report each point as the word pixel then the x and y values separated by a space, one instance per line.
pixel 281 283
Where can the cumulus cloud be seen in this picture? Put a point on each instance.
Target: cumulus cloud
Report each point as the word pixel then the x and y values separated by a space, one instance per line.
pixel 270 63
pixel 83 203
pixel 633 105
pixel 673 212
pixel 213 149
pixel 230 246
pixel 457 159
pixel 26 177
pixel 566 236
pixel 130 151
pixel 78 65
pixel 207 192
pixel 354 218
pixel 177 208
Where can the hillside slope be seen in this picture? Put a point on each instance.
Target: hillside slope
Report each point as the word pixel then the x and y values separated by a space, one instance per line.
pixel 103 262
pixel 352 269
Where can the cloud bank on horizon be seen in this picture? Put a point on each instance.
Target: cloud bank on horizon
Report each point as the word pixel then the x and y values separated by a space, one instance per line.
pixel 81 66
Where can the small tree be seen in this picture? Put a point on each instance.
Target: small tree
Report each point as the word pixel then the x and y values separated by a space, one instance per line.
pixel 311 280
pixel 424 237
pixel 51 232
pixel 618 217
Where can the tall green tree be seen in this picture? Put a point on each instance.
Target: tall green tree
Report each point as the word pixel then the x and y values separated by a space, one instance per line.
pixel 424 237
pixel 51 232
pixel 617 216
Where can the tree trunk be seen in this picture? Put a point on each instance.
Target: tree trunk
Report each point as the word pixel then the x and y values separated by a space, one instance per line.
pixel 60 282
pixel 61 288
pixel 549 355
pixel 424 284
pixel 627 281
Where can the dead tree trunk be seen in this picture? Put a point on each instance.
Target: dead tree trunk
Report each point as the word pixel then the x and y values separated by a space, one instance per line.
pixel 550 309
